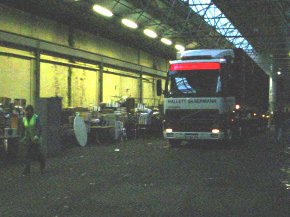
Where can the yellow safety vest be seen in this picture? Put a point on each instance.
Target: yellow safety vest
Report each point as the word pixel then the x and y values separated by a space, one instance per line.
pixel 30 127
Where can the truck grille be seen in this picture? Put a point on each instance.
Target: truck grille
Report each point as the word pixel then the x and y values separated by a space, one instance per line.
pixel 191 120
pixel 194 126
pixel 183 114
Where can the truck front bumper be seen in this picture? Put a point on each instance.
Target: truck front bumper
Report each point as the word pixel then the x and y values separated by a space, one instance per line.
pixel 194 135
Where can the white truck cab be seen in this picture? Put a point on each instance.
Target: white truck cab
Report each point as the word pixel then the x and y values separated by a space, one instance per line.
pixel 199 102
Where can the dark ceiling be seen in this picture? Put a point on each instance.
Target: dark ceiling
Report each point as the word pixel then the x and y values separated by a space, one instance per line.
pixel 265 23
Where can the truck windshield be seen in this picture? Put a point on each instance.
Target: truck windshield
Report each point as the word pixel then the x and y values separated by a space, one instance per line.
pixel 203 83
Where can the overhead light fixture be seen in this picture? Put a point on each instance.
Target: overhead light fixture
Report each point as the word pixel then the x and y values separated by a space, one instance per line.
pixel 103 11
pixel 179 47
pixel 166 41
pixel 150 33
pixel 279 73
pixel 129 23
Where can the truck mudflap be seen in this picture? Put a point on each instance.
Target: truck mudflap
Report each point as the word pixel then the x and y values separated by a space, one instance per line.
pixel 194 135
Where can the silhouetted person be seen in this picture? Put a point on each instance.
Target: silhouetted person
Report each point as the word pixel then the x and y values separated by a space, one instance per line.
pixel 31 139
pixel 279 121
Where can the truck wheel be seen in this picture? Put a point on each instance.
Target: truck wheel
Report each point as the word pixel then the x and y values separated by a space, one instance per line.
pixel 174 142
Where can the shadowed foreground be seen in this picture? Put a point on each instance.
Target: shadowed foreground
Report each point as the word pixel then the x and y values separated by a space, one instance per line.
pixel 148 178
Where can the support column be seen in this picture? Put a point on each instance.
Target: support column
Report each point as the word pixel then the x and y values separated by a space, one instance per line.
pixel 71 43
pixel 36 94
pixel 272 93
pixel 100 98
pixel 140 88
pixel 153 89
pixel 69 87
pixel 140 83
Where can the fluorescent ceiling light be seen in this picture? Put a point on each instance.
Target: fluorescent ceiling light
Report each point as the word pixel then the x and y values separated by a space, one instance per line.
pixel 166 41
pixel 179 47
pixel 129 23
pixel 103 11
pixel 150 33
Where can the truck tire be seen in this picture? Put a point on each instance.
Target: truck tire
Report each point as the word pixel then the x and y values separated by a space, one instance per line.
pixel 174 142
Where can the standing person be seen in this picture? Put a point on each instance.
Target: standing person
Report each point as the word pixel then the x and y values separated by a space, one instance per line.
pixel 31 139
pixel 279 119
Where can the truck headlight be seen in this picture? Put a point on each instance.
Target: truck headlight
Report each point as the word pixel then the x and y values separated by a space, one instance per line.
pixel 216 131
pixel 168 130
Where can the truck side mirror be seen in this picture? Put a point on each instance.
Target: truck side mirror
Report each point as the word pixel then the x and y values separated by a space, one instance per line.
pixel 159 87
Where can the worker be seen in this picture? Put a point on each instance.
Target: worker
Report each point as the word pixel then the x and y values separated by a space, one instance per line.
pixel 279 122
pixel 31 138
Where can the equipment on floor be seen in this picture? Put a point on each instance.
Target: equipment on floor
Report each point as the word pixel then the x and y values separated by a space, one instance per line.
pixel 80 130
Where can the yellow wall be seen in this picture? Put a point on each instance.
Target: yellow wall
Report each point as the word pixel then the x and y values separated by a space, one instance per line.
pixel 129 87
pixel 111 87
pixel 102 46
pixel 146 59
pixel 162 64
pixel 16 77
pixel 115 87
pixel 84 87
pixel 32 26
pixel 25 24
pixel 50 31
pixel 54 78
pixel 53 81
pixel 147 83
pixel 150 97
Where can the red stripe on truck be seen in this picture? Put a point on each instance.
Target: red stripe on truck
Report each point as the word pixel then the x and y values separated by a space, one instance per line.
pixel 195 66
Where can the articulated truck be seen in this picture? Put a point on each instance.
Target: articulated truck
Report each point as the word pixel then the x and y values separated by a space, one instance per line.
pixel 206 92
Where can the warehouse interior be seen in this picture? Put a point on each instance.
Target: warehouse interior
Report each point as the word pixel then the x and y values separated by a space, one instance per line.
pixel 90 60
pixel 131 120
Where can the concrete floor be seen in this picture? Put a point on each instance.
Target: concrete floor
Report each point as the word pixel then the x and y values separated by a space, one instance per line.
pixel 148 178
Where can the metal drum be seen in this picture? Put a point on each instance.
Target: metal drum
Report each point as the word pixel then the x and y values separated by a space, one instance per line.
pixel 20 103
pixel 5 102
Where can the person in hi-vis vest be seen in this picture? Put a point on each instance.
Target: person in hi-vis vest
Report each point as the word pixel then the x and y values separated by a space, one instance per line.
pixel 31 139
